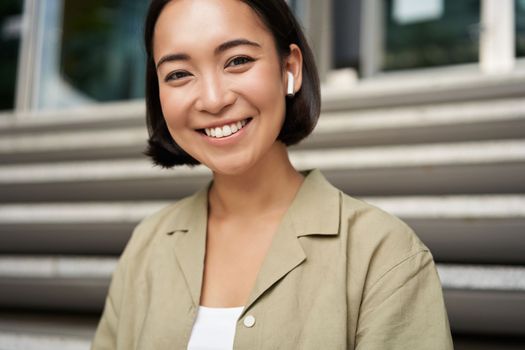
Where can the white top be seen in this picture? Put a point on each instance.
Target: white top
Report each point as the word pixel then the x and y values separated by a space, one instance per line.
pixel 214 328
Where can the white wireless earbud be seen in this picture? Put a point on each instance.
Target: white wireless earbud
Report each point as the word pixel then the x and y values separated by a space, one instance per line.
pixel 290 88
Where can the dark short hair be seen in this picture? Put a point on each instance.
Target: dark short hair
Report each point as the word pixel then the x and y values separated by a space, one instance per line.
pixel 302 110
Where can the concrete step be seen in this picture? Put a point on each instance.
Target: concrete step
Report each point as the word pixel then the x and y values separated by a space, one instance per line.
pixel 488 300
pixel 55 283
pixel 46 331
pixel 94 117
pixel 70 228
pixel 27 340
pixel 96 138
pixel 487 342
pixel 466 167
pixel 122 142
pixel 421 87
pixel 450 122
pixel 479 298
pixel 466 229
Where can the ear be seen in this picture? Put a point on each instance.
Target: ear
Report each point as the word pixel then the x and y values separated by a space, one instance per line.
pixel 294 64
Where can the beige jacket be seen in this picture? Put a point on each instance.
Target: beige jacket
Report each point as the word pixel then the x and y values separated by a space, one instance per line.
pixel 340 274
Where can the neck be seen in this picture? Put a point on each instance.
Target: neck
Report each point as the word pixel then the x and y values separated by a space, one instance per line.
pixel 266 188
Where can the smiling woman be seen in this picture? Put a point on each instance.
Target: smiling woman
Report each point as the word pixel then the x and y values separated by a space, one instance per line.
pixel 232 75
pixel 301 112
pixel 265 256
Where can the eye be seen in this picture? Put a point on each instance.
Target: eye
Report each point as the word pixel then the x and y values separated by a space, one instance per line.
pixel 176 75
pixel 239 60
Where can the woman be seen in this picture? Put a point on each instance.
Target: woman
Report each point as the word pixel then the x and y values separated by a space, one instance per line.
pixel 264 257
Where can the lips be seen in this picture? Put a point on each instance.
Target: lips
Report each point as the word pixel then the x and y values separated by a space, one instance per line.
pixel 226 130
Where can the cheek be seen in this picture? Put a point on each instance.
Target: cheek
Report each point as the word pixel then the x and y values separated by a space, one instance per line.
pixel 172 107
pixel 175 112
pixel 263 88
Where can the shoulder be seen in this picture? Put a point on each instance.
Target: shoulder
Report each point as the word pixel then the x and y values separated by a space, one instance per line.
pixel 374 225
pixel 323 207
pixel 392 279
pixel 379 241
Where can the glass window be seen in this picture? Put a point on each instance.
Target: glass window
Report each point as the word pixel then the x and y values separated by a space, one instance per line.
pixel 10 32
pixel 346 24
pixel 93 52
pixel 520 27
pixel 428 33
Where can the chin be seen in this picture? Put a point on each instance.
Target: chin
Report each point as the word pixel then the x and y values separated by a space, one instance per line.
pixel 230 168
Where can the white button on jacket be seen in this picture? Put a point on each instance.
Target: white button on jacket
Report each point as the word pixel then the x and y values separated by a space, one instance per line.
pixel 249 321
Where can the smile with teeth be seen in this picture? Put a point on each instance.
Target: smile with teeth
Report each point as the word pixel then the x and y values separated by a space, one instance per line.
pixel 226 130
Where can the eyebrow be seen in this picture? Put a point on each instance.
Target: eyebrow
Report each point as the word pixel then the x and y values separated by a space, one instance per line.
pixel 234 43
pixel 173 57
pixel 219 49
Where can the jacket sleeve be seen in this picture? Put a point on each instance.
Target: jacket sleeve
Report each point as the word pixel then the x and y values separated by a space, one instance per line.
pixel 404 308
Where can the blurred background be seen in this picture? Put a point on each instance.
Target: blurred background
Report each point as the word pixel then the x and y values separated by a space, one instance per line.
pixel 423 115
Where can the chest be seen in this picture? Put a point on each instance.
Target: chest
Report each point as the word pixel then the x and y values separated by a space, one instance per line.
pixel 233 258
pixel 302 306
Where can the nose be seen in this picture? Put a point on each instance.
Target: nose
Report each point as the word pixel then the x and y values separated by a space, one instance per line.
pixel 214 95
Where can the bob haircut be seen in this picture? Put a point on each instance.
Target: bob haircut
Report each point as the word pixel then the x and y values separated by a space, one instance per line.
pixel 302 110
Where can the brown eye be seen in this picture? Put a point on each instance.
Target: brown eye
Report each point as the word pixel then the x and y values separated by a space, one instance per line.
pixel 240 60
pixel 176 75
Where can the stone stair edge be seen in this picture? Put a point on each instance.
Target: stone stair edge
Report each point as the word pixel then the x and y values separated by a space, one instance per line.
pixel 350 158
pixel 484 206
pixel 381 117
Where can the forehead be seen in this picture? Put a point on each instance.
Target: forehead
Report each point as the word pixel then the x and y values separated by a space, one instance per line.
pixel 194 24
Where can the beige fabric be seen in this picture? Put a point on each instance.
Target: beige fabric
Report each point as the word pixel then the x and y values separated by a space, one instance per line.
pixel 340 274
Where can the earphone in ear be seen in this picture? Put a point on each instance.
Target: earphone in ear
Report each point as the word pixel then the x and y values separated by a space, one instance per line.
pixel 290 88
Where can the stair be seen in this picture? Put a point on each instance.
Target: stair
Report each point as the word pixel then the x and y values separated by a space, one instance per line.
pixel 447 159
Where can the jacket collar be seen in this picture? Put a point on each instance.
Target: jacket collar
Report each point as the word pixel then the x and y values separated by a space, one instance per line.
pixel 315 210
pixel 316 207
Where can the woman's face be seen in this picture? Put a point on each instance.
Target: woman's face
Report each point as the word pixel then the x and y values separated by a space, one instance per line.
pixel 222 88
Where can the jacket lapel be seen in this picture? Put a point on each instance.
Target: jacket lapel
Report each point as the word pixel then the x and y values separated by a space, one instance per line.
pixel 189 246
pixel 315 210
pixel 284 254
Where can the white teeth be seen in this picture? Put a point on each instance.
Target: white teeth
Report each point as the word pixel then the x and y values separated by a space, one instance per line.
pixel 226 130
